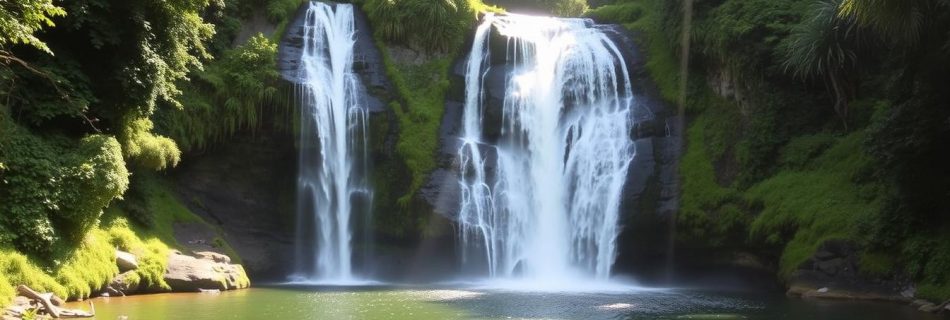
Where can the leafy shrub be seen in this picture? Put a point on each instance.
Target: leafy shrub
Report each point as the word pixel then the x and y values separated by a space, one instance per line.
pixel 620 13
pixel 431 25
pixel 568 8
pixel 52 190
pixel 234 93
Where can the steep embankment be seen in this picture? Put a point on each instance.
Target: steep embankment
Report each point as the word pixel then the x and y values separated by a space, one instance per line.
pixel 812 179
pixel 78 158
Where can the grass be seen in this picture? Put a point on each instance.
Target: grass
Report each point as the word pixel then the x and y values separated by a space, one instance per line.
pixel 76 271
pixel 804 208
pixel 88 266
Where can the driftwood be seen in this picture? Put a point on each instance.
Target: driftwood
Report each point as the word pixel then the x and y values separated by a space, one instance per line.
pixel 53 304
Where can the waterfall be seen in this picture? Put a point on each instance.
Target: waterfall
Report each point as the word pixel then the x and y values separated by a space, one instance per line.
pixel 333 138
pixel 542 202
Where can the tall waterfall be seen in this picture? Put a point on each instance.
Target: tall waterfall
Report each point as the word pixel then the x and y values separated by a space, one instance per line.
pixel 542 202
pixel 333 139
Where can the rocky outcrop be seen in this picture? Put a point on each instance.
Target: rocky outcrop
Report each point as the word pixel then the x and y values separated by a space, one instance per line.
pixel 244 190
pixel 203 270
pixel 125 283
pixel 125 261
pixel 833 272
pixel 650 191
pixel 193 274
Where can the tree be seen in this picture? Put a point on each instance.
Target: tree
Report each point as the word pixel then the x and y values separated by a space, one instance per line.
pixel 20 19
pixel 825 47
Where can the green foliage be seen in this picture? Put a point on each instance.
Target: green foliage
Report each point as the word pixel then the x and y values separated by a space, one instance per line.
pixel 743 35
pixel 934 292
pixel 280 10
pixel 431 25
pixel 52 189
pixel 800 151
pixel 150 53
pixel 618 13
pixel 803 208
pixel 877 264
pixel 52 90
pixel 643 16
pixel 563 8
pixel 149 248
pixel 76 269
pixel 897 20
pixel 147 149
pixel 237 92
pixel 927 258
pixel 19 20
pixel 708 211
pixel 422 88
pixel 824 45
pixel 883 184
pixel 567 8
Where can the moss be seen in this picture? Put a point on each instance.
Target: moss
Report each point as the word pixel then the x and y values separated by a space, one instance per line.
pixel 877 264
pixel 662 62
pixel 800 151
pixel 934 292
pixel 617 13
pixel 802 209
pixel 422 89
pixel 242 281
pixel 708 211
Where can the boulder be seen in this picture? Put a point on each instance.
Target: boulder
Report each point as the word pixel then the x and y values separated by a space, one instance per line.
pixel 190 274
pixel 125 261
pixel 124 284
pixel 909 292
pixel 919 303
pixel 929 307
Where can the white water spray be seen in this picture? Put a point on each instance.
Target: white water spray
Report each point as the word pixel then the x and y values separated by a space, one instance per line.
pixel 333 139
pixel 548 208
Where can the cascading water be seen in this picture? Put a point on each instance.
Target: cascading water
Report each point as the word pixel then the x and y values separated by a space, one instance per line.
pixel 546 206
pixel 333 156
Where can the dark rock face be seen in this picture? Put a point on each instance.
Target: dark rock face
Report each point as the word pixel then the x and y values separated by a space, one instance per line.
pixel 367 60
pixel 244 187
pixel 833 272
pixel 650 191
pixel 375 253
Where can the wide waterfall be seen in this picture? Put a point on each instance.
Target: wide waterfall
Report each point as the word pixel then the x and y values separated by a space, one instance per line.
pixel 333 138
pixel 541 201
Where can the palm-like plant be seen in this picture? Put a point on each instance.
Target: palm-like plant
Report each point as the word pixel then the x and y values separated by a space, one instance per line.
pixel 825 47
pixel 438 23
pixel 388 16
pixel 900 20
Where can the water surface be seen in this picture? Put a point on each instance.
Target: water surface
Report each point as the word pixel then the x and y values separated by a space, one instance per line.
pixel 304 302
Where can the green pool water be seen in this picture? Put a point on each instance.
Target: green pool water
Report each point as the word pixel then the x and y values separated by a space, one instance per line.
pixel 305 302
